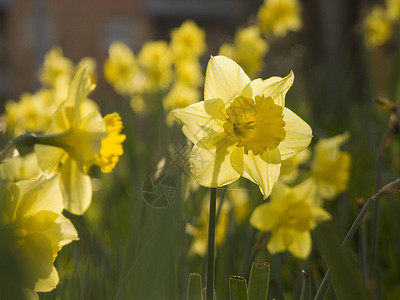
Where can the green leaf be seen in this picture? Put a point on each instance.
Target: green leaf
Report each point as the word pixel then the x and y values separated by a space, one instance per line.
pixel 195 290
pixel 237 288
pixel 259 281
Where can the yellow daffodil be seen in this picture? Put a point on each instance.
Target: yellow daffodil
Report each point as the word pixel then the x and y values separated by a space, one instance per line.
pixel 289 216
pixel 33 231
pixel 393 10
pixel 120 67
pixel 155 59
pixel 248 50
pixel 330 167
pixel 187 41
pixel 242 128
pixel 279 16
pixel 32 113
pixel 55 67
pixel 378 28
pixel 78 138
pixel 188 72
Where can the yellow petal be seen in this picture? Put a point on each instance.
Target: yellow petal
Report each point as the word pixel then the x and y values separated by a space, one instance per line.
pixel 49 283
pixel 274 87
pixel 280 240
pixel 256 169
pixel 306 191
pixel 225 79
pixel 76 188
pixel 49 157
pixel 197 123
pixel 265 217
pixel 298 135
pixel 301 244
pixel 212 167
pixel 319 215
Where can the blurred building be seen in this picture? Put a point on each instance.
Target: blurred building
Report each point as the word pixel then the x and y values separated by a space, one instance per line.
pixel 29 28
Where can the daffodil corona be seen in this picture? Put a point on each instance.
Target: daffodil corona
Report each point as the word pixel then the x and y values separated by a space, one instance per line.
pixel 242 128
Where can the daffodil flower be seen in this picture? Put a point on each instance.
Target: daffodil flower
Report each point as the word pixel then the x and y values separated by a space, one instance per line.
pixel 289 216
pixel 33 231
pixel 78 138
pixel 242 128
pixel 330 167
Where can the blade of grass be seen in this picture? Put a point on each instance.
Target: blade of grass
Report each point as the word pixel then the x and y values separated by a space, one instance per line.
pixel 259 281
pixel 195 290
pixel 237 288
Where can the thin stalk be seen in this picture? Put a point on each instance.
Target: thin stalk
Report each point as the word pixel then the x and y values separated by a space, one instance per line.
pixel 375 219
pixel 362 246
pixel 211 246
pixel 323 288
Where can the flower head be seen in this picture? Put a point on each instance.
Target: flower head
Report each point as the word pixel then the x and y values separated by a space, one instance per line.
pixel 378 28
pixel 248 50
pixel 33 231
pixel 155 59
pixel 120 67
pixel 330 167
pixel 242 128
pixel 77 139
pixel 290 216
pixel 55 67
pixel 187 41
pixel 279 16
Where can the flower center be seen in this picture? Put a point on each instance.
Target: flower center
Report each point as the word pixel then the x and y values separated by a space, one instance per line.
pixel 256 125
pixel 297 216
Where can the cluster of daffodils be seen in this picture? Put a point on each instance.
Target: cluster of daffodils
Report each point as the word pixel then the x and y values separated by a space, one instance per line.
pixel 37 187
pixel 33 112
pixel 275 19
pixel 172 68
pixel 243 129
pixel 378 24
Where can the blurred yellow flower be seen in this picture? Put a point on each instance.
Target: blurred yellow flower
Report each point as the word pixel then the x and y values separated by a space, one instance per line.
pixel 393 10
pixel 32 113
pixel 199 242
pixel 78 138
pixel 187 41
pixel 188 72
pixel 242 128
pixel 19 168
pixel 248 50
pixel 179 96
pixel 279 16
pixel 290 216
pixel 330 167
pixel 33 231
pixel 55 67
pixel 378 28
pixel 155 59
pixel 91 66
pixel 120 67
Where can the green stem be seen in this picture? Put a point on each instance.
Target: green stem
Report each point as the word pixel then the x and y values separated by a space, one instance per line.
pixel 323 288
pixel 211 246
